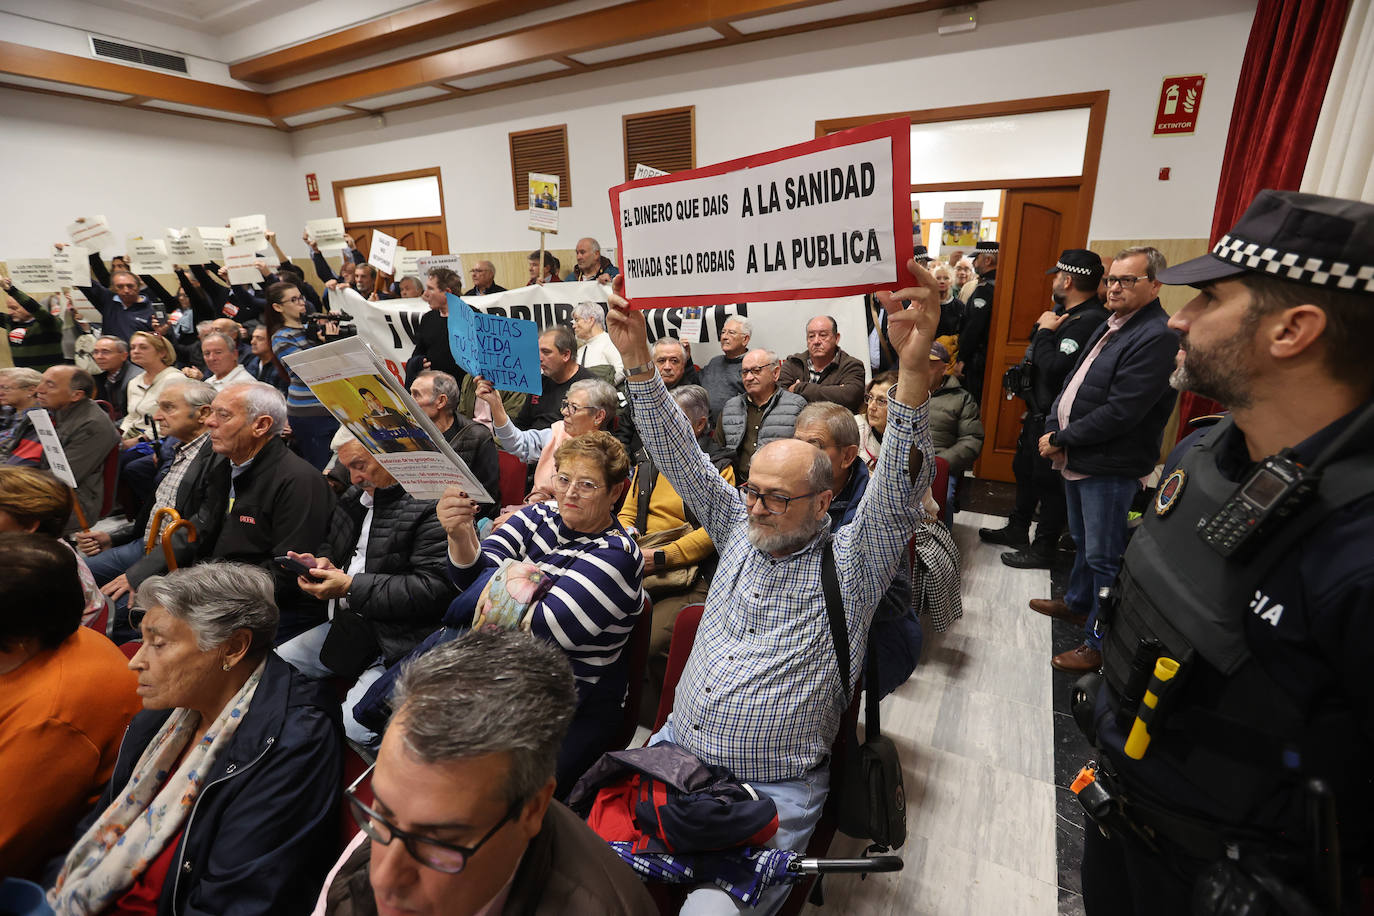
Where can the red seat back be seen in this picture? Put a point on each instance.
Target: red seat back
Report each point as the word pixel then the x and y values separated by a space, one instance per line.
pixel 355 765
pixel 130 649
pixel 111 482
pixel 109 410
pixel 684 634
pixel 101 621
pixel 638 652
pixel 939 487
pixel 514 473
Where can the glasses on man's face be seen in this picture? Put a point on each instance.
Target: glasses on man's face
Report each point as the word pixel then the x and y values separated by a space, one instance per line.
pixel 756 370
pixel 568 408
pixel 449 858
pixel 875 399
pixel 576 487
pixel 773 503
pixel 1125 282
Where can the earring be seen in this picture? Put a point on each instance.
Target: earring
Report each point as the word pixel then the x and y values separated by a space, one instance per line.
pixel 227 666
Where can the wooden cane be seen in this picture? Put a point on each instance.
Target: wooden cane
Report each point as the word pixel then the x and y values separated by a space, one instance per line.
pixel 155 531
pixel 168 551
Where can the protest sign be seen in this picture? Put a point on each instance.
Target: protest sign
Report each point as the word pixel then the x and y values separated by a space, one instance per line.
pixel 960 224
pixel 185 247
pixel 820 219
pixel 84 310
pixel 249 231
pixel 453 262
pixel 327 233
pixel 52 447
pixel 504 351
pixel 242 263
pixel 91 232
pixel 33 275
pixel 646 171
pixel 72 266
pixel 383 253
pixel 543 202
pixel 148 256
pixel 408 262
pixel 215 239
pixel 350 380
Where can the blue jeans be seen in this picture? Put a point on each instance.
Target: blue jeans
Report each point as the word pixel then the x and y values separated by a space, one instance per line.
pixel 1097 508
pixel 111 564
pixel 303 653
pixel 799 804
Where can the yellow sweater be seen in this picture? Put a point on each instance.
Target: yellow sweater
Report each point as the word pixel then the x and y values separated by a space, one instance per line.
pixel 666 511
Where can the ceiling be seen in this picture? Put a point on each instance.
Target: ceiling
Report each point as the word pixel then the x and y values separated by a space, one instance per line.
pixel 348 59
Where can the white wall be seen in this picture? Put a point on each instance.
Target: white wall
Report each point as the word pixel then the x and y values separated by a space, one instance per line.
pixel 66 158
pixel 768 94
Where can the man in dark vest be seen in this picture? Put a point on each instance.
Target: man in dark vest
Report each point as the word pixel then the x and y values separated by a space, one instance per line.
pixel 1242 770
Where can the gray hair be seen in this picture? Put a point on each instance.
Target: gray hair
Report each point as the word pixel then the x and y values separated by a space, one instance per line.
pixel 694 401
pixel 262 400
pixel 771 355
pixel 1154 258
pixel 670 341
pixel 444 384
pixel 590 310
pixel 22 376
pixel 746 325
pixel 228 341
pixel 120 343
pixel 822 475
pixel 204 327
pixel 488 692
pixel 195 394
pixel 837 420
pixel 216 600
pixel 596 246
pixel 601 395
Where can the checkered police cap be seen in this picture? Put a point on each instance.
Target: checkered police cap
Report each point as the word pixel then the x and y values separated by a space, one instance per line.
pixel 1078 261
pixel 1303 238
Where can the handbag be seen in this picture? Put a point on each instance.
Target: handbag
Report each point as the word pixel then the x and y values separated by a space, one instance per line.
pixel 350 647
pixel 669 581
pixel 872 799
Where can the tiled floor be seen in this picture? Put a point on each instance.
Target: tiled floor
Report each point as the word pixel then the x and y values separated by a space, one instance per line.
pixel 976 729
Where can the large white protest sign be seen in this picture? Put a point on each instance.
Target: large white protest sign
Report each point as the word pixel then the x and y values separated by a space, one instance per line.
pixel 408 262
pixel 249 230
pixel 72 266
pixel 33 275
pixel 52 447
pixel 327 233
pixel 184 246
pixel 453 262
pixel 215 239
pixel 383 253
pixel 91 232
pixel 148 256
pixel 242 263
pixel 817 220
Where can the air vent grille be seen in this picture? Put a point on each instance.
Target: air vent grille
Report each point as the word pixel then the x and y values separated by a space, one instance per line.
pixel 114 50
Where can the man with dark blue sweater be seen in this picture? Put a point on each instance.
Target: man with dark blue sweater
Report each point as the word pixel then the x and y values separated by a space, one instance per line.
pixel 1103 435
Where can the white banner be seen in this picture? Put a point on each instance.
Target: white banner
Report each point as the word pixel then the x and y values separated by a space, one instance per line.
pixel 249 231
pixel 72 266
pixel 52 447
pixel 33 275
pixel 408 262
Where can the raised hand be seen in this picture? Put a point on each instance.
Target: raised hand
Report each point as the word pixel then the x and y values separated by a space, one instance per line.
pixel 912 330
pixel 629 332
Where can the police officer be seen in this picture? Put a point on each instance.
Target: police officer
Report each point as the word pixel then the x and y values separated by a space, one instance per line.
pixel 1235 717
pixel 973 337
pixel 1055 345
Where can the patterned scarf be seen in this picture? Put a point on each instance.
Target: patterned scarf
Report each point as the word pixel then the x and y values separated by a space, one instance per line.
pixel 150 811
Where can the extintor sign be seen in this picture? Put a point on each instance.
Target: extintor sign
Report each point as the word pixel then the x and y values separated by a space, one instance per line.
pixel 1179 100
pixel 312 186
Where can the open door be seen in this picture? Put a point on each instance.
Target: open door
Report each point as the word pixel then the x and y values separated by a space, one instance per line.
pixel 1037 224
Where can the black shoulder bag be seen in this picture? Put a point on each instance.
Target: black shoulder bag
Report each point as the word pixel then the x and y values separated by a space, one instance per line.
pixel 872 800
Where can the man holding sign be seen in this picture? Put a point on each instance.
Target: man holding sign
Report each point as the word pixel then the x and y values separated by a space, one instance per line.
pixel 762 691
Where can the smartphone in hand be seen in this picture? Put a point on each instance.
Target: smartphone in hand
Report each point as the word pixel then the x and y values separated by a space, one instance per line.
pixel 293 566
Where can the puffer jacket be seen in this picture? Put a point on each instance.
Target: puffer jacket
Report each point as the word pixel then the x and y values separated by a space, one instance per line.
pixel 405 589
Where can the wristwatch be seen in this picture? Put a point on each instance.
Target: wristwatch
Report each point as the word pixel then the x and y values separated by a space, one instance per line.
pixel 1054 439
pixel 660 559
pixel 640 369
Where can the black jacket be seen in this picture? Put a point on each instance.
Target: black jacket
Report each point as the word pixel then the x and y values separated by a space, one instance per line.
pixel 474 444
pixel 405 589
pixel 265 830
pixel 1119 412
pixel 114 389
pixel 1055 353
pixel 431 343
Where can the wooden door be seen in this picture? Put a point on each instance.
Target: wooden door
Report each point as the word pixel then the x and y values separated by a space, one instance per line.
pixel 431 236
pixel 1037 224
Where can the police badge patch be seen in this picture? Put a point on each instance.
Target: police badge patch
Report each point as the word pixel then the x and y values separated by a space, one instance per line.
pixel 1169 492
pixel 1068 346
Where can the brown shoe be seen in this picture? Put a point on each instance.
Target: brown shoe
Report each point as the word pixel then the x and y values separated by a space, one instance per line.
pixel 1078 661
pixel 1056 608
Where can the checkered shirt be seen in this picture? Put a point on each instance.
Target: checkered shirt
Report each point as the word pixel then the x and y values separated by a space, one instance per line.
pixel 761 691
pixel 167 487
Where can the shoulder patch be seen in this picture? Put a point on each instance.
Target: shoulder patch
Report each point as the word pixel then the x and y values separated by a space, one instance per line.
pixel 979 303
pixel 1068 346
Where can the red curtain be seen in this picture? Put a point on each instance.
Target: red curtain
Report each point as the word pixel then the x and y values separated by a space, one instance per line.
pixel 1293 45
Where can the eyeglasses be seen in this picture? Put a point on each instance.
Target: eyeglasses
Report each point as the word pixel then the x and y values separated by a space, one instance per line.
pixel 449 858
pixel 1126 282
pixel 875 399
pixel 757 370
pixel 773 503
pixel 567 408
pixel 577 487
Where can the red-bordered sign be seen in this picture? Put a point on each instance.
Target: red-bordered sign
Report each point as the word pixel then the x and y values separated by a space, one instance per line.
pixel 1180 99
pixel 832 218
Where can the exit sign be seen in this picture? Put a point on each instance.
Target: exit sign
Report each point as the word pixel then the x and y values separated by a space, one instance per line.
pixel 1180 97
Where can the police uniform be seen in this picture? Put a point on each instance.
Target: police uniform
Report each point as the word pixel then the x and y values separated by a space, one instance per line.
pixel 1259 748
pixel 973 337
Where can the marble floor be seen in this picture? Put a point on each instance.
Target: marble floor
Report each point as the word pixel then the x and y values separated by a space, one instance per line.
pixel 976 730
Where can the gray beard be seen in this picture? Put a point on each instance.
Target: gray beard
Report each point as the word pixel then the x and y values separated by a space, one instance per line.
pixel 771 542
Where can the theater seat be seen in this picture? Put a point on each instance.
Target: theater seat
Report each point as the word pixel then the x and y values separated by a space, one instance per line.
pixel 110 481
pixel 638 649
pixel 939 487
pixel 130 649
pixel 514 473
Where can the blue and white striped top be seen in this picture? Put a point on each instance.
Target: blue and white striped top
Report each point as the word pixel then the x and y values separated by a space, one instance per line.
pixel 298 395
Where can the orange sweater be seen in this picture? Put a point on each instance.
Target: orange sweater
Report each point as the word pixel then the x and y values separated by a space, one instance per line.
pixel 62 716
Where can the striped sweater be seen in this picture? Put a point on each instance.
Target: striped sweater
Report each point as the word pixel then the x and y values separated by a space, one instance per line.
pixel 595 601
pixel 35 344
pixel 299 399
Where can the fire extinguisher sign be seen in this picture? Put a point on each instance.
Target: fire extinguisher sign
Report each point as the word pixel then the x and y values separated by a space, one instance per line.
pixel 1180 98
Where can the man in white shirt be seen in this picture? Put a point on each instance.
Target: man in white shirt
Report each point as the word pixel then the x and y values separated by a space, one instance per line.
pixel 221 360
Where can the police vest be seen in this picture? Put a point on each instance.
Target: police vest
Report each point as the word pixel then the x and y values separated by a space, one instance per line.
pixel 1176 597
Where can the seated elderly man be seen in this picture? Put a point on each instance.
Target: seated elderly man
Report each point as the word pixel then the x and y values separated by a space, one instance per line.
pixel 382 570
pixel 221 356
pixel 437 394
pixel 596 353
pixel 467 765
pixel 721 376
pixel 111 356
pixel 956 425
pixel 761 415
pixel 824 372
pixel 761 692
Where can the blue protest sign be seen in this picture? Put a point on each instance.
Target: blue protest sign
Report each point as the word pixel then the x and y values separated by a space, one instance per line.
pixel 504 351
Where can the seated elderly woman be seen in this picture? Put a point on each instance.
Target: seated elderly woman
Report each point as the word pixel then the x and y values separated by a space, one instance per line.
pixel 873 421
pixel 590 405
pixel 18 395
pixel 587 591
pixel 36 502
pixel 66 695
pixel 231 734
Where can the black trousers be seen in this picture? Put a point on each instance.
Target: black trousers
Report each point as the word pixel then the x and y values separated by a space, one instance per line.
pixel 1037 482
pixel 1122 877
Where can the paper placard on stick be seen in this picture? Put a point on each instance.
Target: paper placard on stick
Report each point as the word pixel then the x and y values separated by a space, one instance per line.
pixel 84 310
pixel 215 239
pixel 92 232
pixel 408 263
pixel 383 253
pixel 351 381
pixel 185 247
pixel 249 230
pixel 822 219
pixel 960 224
pixel 453 262
pixel 72 266
pixel 148 256
pixel 691 323
pixel 543 202
pixel 242 263
pixel 327 233
pixel 33 275
pixel 646 171
pixel 504 351
pixel 52 447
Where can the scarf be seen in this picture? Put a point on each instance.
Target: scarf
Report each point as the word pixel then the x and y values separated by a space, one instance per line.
pixel 151 810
